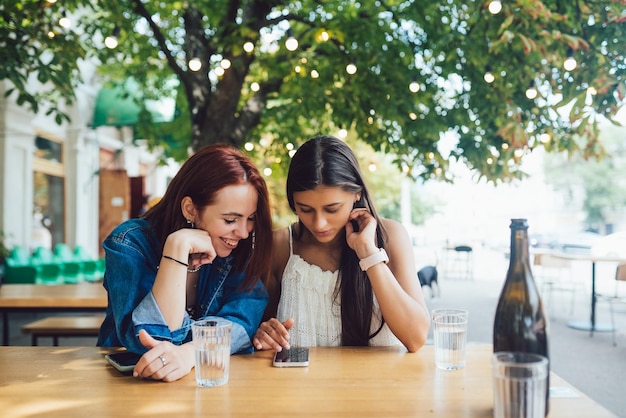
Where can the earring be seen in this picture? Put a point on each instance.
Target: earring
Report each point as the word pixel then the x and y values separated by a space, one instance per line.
pixel 192 223
pixel 253 239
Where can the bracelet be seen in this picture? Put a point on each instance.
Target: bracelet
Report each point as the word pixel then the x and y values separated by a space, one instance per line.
pixel 380 256
pixel 175 260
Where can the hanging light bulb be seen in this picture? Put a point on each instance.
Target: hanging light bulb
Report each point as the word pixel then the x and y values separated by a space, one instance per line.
pixel 570 63
pixel 194 63
pixel 111 40
pixel 342 133
pixel 489 77
pixel 531 92
pixel 65 22
pixel 495 7
pixel 414 86
pixel 248 47
pixel 291 43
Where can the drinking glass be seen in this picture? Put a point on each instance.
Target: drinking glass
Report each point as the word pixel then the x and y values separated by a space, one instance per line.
pixel 211 341
pixel 450 336
pixel 519 385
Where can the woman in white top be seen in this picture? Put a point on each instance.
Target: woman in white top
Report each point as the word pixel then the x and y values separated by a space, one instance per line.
pixel 340 275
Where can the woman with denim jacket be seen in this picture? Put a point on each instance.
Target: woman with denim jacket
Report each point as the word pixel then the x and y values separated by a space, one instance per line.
pixel 203 250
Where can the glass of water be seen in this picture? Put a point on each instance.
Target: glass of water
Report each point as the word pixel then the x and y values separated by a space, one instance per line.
pixel 450 336
pixel 211 341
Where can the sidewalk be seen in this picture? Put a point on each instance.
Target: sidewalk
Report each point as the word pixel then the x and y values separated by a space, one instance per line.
pixel 591 364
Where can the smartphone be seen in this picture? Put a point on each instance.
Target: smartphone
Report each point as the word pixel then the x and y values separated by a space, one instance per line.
pixel 294 357
pixel 124 361
pixel 357 205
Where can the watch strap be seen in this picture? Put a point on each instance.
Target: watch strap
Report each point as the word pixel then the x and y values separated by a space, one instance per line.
pixel 378 257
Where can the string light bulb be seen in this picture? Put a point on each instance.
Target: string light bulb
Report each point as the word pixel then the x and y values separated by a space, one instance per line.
pixel 414 86
pixel 248 47
pixel 194 63
pixel 531 92
pixel 351 68
pixel 291 43
pixel 111 41
pixel 570 62
pixel 65 22
pixel 489 77
pixel 495 7
pixel 342 133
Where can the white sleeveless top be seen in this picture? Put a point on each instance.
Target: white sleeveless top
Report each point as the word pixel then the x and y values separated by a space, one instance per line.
pixel 307 297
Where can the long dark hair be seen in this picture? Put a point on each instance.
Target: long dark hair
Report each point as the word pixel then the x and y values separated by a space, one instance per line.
pixel 205 173
pixel 328 161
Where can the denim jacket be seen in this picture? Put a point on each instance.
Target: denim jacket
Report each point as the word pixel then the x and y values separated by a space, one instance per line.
pixel 133 253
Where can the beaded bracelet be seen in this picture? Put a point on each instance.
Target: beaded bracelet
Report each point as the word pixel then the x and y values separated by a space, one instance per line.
pixel 175 260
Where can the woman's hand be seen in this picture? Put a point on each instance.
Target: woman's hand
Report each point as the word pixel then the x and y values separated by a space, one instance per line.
pixel 273 334
pixel 193 246
pixel 164 361
pixel 362 239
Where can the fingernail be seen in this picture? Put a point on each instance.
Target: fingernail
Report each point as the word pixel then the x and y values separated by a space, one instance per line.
pixel 287 347
pixel 135 374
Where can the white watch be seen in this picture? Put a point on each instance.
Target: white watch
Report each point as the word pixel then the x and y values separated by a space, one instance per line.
pixel 379 257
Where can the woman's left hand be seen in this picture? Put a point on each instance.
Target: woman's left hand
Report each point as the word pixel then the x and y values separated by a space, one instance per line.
pixel 164 360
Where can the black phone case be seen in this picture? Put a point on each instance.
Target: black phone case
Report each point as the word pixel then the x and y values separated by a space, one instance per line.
pixel 124 361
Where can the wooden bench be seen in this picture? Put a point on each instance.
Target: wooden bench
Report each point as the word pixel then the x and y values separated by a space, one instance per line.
pixel 63 326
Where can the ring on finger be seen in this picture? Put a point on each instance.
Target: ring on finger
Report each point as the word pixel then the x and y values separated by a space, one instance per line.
pixel 163 360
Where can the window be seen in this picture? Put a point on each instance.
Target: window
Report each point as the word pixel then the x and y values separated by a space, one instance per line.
pixel 49 187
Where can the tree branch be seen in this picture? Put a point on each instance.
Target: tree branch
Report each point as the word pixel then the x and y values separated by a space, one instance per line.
pixel 143 12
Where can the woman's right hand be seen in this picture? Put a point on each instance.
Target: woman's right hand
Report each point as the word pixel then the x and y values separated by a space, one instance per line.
pixel 273 335
pixel 164 360
pixel 195 243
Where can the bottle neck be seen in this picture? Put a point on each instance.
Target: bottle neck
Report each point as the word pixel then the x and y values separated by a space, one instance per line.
pixel 519 246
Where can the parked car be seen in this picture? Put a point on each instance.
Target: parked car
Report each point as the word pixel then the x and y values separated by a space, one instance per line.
pixel 612 245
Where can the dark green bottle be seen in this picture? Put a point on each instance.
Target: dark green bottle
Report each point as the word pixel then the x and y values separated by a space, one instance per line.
pixel 520 323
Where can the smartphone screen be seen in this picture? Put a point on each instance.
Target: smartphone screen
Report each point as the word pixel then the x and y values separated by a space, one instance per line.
pixel 294 357
pixel 124 362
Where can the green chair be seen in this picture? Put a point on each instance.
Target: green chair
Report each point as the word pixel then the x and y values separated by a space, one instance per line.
pixel 89 265
pixel 70 266
pixel 18 268
pixel 48 268
pixel 101 267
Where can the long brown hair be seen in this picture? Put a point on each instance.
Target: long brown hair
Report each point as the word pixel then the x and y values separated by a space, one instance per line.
pixel 328 161
pixel 205 173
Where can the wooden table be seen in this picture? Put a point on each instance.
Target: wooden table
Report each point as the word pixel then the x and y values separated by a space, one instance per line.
pixel 340 382
pixel 83 296
pixel 590 325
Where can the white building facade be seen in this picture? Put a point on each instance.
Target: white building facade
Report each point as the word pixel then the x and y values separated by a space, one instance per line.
pixel 53 173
